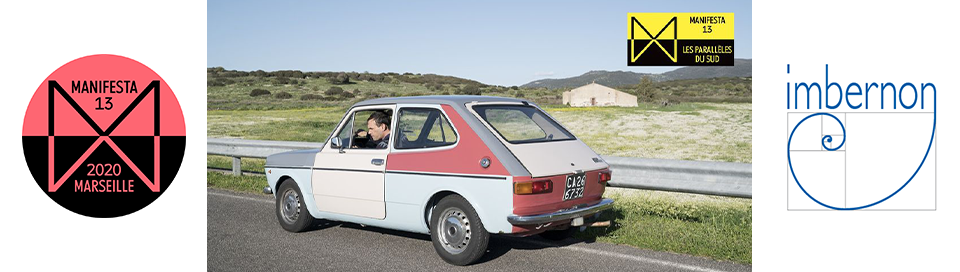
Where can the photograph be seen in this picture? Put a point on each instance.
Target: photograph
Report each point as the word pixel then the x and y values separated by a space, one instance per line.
pixel 496 136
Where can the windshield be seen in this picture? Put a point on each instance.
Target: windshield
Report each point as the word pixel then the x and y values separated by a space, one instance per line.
pixel 522 124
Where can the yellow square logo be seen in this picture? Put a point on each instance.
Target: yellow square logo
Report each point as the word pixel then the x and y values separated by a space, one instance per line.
pixel 680 39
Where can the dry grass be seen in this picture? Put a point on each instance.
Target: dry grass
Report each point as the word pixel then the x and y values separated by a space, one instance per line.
pixel 694 131
pixel 697 131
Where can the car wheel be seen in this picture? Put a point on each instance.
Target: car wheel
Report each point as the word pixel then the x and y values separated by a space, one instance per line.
pixel 456 231
pixel 558 235
pixel 291 211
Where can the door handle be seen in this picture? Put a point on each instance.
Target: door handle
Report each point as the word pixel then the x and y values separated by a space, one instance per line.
pixel 377 162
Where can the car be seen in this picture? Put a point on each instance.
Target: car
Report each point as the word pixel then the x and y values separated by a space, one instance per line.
pixel 459 168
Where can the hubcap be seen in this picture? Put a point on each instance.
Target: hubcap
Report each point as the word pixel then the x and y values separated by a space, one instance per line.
pixel 290 207
pixel 454 230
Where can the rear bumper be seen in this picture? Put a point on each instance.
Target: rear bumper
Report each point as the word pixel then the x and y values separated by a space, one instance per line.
pixel 604 204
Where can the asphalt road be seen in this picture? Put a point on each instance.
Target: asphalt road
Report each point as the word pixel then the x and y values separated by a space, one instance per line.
pixel 243 235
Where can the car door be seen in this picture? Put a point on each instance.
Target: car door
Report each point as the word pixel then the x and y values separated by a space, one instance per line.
pixel 349 180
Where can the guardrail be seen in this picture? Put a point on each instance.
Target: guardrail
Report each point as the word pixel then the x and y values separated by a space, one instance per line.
pixel 698 177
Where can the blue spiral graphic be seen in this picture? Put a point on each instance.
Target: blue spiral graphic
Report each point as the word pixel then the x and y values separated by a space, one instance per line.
pixel 828 138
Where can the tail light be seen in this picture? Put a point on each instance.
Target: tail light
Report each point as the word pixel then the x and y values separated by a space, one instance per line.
pixel 604 176
pixel 536 187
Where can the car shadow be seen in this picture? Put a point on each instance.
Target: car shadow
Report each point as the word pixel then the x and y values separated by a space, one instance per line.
pixel 322 224
pixel 499 244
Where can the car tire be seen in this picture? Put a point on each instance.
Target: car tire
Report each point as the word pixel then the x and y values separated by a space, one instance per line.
pixel 558 235
pixel 291 210
pixel 457 233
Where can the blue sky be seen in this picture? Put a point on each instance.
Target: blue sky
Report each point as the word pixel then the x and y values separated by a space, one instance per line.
pixel 494 42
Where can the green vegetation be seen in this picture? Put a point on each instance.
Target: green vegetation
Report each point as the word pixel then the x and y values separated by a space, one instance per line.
pixel 688 131
pixel 241 90
pixel 249 184
pixel 313 124
pixel 715 90
pixel 711 226
pixel 226 163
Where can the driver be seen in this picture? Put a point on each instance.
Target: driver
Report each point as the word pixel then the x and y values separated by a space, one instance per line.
pixel 378 128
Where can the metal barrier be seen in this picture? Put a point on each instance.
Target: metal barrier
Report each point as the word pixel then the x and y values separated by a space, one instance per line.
pixel 698 177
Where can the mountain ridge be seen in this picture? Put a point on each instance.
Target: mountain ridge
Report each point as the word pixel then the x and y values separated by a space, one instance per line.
pixel 741 68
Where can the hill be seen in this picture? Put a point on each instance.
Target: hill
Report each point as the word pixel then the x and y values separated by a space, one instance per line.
pixel 740 68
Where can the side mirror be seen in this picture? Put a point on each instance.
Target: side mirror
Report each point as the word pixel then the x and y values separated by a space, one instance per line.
pixel 336 143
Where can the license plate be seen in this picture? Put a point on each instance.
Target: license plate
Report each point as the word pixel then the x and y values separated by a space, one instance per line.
pixel 574 186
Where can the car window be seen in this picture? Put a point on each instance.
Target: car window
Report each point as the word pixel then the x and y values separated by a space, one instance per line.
pixel 423 128
pixel 356 135
pixel 522 124
pixel 347 132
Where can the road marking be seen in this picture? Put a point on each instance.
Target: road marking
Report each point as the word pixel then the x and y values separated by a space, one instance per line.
pixel 625 256
pixel 549 245
pixel 241 197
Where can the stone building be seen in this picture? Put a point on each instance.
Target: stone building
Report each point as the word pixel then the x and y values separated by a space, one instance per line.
pixel 594 94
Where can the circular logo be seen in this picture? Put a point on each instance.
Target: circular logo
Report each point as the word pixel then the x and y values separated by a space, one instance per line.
pixel 103 136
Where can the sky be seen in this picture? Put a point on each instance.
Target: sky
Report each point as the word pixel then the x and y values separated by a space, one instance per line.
pixel 495 42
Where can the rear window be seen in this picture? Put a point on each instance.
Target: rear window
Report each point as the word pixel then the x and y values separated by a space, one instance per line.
pixel 522 124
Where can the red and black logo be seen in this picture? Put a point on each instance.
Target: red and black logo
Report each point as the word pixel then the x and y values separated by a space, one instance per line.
pixel 104 136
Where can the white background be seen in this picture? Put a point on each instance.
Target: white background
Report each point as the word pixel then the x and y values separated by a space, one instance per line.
pixel 896 42
pixel 37 38
pixel 870 41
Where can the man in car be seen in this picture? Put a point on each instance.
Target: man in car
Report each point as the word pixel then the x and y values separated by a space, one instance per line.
pixel 378 128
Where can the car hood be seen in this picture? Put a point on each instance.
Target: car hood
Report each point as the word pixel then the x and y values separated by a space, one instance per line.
pixel 294 158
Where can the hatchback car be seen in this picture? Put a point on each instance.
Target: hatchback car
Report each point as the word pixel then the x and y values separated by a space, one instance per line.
pixel 459 168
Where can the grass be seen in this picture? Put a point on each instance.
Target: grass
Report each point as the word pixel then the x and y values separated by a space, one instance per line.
pixel 237 96
pixel 690 131
pixel 246 164
pixel 709 226
pixel 687 131
pixel 309 125
pixel 245 183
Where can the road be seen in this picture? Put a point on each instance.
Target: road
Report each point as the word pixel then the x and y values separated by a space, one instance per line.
pixel 243 235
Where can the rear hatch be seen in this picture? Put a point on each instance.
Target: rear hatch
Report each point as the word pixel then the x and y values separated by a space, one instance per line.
pixel 549 152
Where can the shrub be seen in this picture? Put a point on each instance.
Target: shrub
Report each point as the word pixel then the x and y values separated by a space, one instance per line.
pixel 334 91
pixel 259 92
pixel 311 97
pixel 283 95
pixel 645 90
pixel 347 95
pixel 470 89
pixel 339 79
